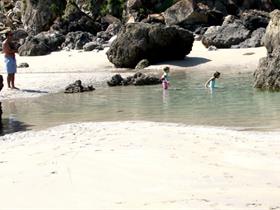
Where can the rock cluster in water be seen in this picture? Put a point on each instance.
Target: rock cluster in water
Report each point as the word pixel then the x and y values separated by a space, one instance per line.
pixel 77 87
pixel 138 79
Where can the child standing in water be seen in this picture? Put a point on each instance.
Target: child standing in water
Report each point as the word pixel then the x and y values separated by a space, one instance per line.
pixel 165 78
pixel 211 82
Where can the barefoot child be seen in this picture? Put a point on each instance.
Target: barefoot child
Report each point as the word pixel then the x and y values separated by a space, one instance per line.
pixel 165 78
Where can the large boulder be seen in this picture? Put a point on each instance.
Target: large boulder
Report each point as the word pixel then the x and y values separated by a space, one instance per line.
pixel 137 41
pixel 238 33
pixel 272 35
pixel 254 19
pixel 184 12
pixel 232 32
pixel 267 75
pixel 255 40
pixel 39 15
pixel 190 15
pixel 41 44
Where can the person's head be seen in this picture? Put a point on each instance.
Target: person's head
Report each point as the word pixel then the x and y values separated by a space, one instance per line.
pixel 216 74
pixel 166 69
pixel 8 35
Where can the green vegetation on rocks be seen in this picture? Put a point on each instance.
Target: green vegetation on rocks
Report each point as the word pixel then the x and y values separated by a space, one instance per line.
pixel 113 7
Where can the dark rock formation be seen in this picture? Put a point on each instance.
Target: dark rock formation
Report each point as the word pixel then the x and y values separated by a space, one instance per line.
pixel 157 42
pixel 20 34
pixel 76 20
pixel 38 15
pixel 267 75
pixel 23 65
pixel 77 87
pixel 188 14
pixel 254 19
pixel 238 33
pixel 116 80
pixel 111 30
pixel 138 79
pixel 232 32
pixel 41 44
pixel 91 46
pixel 254 41
pixel 76 40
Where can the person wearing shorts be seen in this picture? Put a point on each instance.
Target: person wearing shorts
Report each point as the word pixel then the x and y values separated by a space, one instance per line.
pixel 10 65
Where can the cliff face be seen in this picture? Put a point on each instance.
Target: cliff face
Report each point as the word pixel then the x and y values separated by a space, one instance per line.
pixel 267 75
pixel 38 15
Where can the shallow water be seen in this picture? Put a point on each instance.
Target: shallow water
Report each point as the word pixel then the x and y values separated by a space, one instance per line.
pixel 233 104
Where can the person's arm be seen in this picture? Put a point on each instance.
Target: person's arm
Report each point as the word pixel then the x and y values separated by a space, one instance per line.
pixel 7 48
pixel 208 81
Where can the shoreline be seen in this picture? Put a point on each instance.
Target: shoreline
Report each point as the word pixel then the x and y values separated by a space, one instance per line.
pixel 135 164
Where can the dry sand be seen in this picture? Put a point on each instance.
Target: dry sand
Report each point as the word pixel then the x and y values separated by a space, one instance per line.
pixel 135 165
pixel 139 165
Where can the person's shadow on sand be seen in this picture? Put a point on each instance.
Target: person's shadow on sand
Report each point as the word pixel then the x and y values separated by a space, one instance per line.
pixel 33 91
pixel 188 61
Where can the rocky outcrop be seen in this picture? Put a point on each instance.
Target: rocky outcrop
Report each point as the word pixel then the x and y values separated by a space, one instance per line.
pixel 267 75
pixel 138 79
pixel 236 33
pixel 77 87
pixel 76 20
pixel 76 40
pixel 254 19
pixel 137 41
pixel 272 35
pixel 232 32
pixel 39 15
pixel 188 14
pixel 140 9
pixel 41 44
pixel 255 39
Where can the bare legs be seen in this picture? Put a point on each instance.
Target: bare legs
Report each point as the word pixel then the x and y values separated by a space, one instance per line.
pixel 11 81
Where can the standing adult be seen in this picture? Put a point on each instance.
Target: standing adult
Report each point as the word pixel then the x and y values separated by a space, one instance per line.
pixel 10 59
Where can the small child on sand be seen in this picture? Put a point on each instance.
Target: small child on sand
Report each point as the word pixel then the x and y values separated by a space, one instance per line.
pixel 165 78
pixel 211 82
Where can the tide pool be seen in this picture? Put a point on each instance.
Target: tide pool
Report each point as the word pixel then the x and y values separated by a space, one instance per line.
pixel 235 104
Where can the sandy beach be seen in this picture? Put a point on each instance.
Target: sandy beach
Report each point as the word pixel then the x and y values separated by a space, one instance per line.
pixel 52 73
pixel 135 164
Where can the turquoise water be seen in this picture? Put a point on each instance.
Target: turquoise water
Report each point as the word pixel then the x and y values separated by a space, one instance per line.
pixel 233 104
